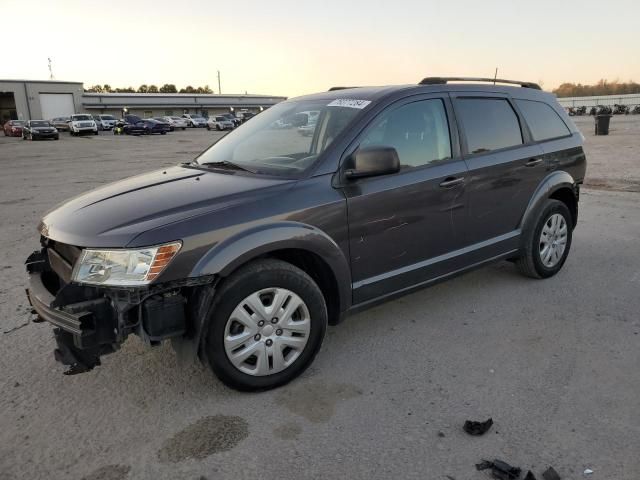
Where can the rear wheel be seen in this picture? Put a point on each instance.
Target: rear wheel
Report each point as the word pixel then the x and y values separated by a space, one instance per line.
pixel 547 241
pixel 267 324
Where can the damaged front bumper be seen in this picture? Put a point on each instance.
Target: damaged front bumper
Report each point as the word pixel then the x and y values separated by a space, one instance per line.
pixel 93 321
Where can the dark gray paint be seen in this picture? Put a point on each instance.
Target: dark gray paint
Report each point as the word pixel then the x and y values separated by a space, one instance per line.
pixel 379 236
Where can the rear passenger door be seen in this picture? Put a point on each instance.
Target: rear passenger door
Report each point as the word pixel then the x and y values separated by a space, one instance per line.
pixel 505 168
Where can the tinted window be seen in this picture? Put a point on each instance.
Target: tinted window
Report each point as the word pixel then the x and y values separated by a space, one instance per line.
pixel 489 124
pixel 418 131
pixel 543 121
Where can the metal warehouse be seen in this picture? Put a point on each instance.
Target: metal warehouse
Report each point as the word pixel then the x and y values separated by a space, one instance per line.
pixel 47 99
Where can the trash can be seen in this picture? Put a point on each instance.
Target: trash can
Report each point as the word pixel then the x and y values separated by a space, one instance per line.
pixel 602 124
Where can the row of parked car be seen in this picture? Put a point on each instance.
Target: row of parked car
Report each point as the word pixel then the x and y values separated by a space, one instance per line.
pixel 80 124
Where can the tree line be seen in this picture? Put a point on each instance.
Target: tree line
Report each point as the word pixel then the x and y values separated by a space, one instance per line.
pixel 166 88
pixel 603 87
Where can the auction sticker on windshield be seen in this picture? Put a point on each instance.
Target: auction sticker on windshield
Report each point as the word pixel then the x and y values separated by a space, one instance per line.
pixel 349 103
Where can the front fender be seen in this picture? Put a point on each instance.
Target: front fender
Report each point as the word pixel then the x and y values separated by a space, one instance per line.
pixel 226 256
pixel 551 183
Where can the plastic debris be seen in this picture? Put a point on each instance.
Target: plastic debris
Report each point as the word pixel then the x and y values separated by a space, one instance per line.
pixel 550 474
pixel 588 471
pixel 477 428
pixel 499 469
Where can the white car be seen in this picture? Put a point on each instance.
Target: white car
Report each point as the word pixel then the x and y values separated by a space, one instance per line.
pixel 82 123
pixel 177 122
pixel 194 120
pixel 218 122
pixel 105 122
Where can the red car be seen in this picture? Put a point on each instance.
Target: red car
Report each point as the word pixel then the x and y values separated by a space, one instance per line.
pixel 13 128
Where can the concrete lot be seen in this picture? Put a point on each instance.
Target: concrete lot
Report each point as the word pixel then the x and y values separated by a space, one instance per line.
pixel 554 362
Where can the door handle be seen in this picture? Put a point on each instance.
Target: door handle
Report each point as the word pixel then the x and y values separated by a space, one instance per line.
pixel 533 162
pixel 452 182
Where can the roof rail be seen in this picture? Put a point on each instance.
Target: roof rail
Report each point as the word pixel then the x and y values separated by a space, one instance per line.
pixel 333 89
pixel 443 80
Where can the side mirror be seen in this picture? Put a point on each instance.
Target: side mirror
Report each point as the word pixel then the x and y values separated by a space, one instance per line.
pixel 371 162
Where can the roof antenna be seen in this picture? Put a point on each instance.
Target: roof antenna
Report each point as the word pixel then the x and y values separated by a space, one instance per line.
pixel 50 69
pixel 495 76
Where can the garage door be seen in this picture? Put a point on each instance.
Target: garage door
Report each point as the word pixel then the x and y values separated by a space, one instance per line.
pixel 56 105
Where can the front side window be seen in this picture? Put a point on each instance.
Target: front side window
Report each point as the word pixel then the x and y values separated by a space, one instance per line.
pixel 271 144
pixel 543 121
pixel 419 132
pixel 488 124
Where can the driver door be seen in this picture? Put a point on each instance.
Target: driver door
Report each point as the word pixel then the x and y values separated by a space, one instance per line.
pixel 402 225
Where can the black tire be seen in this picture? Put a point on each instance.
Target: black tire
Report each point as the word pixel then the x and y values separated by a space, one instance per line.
pixel 252 277
pixel 163 133
pixel 529 263
pixel 57 137
pixel 208 127
pixel 96 132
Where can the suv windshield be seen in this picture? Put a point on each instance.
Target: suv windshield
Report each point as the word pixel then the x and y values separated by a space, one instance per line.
pixel 271 144
pixel 77 118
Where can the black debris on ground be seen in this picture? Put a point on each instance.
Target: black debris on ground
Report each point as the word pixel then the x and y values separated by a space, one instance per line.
pixel 499 469
pixel 477 428
pixel 530 476
pixel 550 474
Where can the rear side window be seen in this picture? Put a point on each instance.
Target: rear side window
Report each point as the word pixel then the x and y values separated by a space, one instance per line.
pixel 489 124
pixel 543 121
pixel 418 131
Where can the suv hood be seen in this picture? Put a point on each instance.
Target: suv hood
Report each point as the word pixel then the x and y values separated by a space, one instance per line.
pixel 113 215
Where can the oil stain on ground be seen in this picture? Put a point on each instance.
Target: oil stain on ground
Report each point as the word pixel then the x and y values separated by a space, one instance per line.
pixel 205 437
pixel 109 472
pixel 317 401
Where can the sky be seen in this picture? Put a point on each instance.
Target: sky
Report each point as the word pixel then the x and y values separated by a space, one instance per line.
pixel 283 47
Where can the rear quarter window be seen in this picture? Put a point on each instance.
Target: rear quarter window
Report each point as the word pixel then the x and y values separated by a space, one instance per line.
pixel 488 124
pixel 543 120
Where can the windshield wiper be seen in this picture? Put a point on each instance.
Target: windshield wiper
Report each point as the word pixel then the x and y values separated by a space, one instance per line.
pixel 226 164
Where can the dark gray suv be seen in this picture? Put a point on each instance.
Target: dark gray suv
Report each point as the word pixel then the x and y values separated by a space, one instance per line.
pixel 243 256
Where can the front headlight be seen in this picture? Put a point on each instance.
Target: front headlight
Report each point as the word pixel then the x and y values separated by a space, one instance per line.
pixel 119 267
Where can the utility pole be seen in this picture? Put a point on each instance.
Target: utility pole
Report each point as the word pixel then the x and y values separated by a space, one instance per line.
pixel 495 76
pixel 50 69
pixel 219 89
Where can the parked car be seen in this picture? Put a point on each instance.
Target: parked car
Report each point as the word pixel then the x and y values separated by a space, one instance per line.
pixel 194 120
pixel 235 120
pixel 245 116
pixel 105 122
pixel 177 122
pixel 219 122
pixel 131 125
pixel 61 123
pixel 79 124
pixel 39 129
pixel 155 126
pixel 13 128
pixel 164 121
pixel 243 256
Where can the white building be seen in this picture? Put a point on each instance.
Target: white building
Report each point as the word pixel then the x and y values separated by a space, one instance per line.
pixel 47 99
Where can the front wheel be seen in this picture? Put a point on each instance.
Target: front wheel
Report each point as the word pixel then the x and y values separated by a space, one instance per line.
pixel 547 241
pixel 267 324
